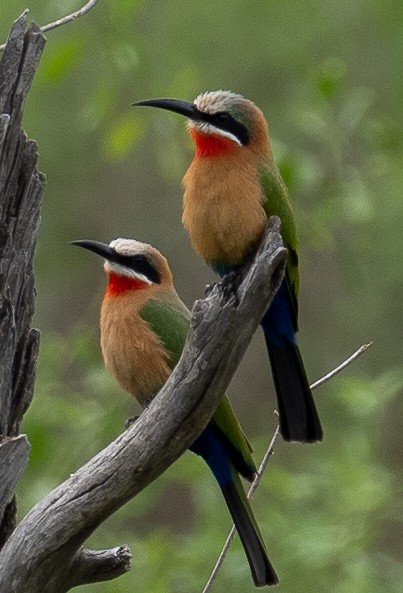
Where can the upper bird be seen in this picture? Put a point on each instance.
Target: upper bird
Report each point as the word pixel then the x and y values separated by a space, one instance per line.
pixel 143 330
pixel 230 189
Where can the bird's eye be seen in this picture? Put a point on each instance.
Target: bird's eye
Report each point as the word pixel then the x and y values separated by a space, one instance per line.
pixel 223 118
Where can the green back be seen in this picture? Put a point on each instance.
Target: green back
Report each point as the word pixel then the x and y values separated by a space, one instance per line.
pixel 277 202
pixel 169 318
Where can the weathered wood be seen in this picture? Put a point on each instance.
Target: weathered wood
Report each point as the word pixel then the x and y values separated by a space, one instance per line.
pixel 14 453
pixel 42 552
pixel 102 565
pixel 13 460
pixel 21 189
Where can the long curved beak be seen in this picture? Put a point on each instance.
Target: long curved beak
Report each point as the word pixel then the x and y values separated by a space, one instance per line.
pixel 97 247
pixel 176 105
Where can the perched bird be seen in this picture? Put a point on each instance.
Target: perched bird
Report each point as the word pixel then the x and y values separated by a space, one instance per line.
pixel 144 325
pixel 230 189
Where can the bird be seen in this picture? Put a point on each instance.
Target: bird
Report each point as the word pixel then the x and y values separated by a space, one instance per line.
pixel 143 328
pixel 231 188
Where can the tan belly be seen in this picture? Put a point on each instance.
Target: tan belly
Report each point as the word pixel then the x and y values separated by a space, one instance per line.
pixel 131 352
pixel 223 213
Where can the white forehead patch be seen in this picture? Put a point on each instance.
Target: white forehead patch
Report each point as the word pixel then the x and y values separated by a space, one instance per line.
pixel 216 101
pixel 129 246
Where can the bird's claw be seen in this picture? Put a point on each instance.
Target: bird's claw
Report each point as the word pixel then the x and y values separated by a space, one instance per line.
pixel 230 284
pixel 209 289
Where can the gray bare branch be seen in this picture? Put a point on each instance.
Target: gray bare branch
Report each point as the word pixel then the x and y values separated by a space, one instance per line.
pixel 222 325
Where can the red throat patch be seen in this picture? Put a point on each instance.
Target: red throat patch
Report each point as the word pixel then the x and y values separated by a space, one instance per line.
pixel 211 144
pixel 118 285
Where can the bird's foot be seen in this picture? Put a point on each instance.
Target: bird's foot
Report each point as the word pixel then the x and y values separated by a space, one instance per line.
pixel 209 289
pixel 230 284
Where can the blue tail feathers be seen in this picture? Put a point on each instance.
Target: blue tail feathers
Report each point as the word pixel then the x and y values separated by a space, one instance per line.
pixel 211 448
pixel 277 323
pixel 210 445
pixel 299 420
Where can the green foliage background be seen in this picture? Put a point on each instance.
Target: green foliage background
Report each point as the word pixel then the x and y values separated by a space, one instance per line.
pixel 329 77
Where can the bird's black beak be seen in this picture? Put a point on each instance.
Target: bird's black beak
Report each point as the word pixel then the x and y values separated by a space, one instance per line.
pixel 97 247
pixel 176 105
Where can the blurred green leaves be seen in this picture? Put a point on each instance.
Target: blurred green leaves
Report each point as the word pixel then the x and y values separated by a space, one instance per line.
pixel 64 60
pixel 122 136
pixel 330 76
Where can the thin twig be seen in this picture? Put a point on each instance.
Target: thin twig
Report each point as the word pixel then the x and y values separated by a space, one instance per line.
pixel 70 17
pixel 342 366
pixel 66 19
pixel 266 458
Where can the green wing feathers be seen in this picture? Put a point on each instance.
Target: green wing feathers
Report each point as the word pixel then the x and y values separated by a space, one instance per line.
pixel 277 202
pixel 169 318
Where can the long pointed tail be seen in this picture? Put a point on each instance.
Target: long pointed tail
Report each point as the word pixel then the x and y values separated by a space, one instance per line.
pixel 262 571
pixel 212 447
pixel 299 420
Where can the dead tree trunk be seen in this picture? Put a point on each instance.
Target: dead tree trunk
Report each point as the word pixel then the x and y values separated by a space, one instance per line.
pixel 21 189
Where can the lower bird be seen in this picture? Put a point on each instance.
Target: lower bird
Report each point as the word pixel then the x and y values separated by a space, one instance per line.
pixel 144 325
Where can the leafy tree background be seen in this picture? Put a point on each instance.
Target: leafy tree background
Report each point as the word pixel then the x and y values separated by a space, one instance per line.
pixel 328 76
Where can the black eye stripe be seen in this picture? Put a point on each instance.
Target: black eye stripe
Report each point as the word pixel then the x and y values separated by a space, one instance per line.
pixel 224 121
pixel 140 264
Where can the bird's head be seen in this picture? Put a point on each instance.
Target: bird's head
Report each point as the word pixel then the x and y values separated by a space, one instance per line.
pixel 220 121
pixel 130 265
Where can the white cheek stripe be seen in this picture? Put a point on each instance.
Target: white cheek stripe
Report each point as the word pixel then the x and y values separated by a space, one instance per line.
pixel 123 271
pixel 210 129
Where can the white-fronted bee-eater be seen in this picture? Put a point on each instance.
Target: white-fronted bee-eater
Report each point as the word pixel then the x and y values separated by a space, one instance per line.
pixel 143 326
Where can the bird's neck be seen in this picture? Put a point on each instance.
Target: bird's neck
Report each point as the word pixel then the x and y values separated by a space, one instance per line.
pixel 119 285
pixel 208 145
